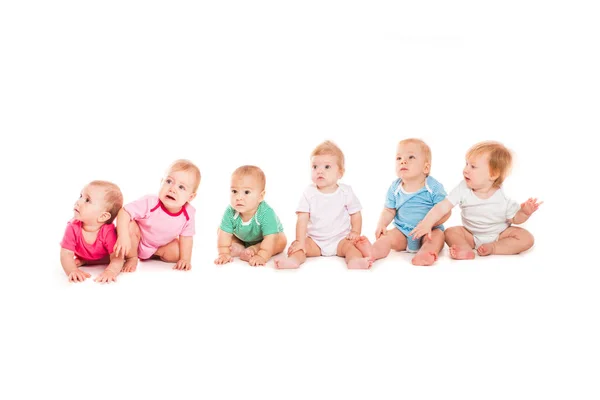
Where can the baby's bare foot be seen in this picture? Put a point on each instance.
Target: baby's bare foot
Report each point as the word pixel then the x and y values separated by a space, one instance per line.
pixel 360 263
pixel 247 254
pixel 236 249
pixel 424 258
pixel 486 249
pixel 459 253
pixel 286 263
pixel 130 265
pixel 364 246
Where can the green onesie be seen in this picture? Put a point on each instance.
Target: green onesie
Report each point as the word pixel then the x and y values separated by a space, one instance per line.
pixel 263 223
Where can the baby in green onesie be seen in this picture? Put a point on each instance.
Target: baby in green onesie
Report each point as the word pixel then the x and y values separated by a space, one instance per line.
pixel 250 229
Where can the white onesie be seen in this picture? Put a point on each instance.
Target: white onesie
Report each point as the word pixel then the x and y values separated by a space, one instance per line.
pixel 484 218
pixel 330 214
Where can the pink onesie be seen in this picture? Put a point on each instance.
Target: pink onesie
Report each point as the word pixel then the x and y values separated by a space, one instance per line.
pixel 102 247
pixel 157 225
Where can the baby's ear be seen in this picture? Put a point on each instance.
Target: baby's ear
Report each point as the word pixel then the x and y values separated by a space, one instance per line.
pixel 262 195
pixel 427 168
pixel 192 196
pixel 105 216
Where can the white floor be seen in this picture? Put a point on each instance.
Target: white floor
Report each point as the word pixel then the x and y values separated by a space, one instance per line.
pixel 493 328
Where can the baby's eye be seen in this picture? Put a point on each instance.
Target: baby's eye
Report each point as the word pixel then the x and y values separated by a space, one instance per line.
pixel 181 187
pixel 327 166
pixel 399 158
pixel 169 181
pixel 246 192
pixel 314 167
pixel 87 200
pixel 233 191
pixel 411 157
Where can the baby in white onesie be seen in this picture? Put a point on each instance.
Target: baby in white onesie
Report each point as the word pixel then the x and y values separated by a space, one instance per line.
pixel 487 213
pixel 329 219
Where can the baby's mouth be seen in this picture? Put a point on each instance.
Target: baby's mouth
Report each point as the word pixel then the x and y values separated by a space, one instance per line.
pixel 170 197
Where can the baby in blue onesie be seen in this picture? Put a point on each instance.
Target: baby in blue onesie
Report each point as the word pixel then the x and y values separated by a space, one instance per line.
pixel 409 199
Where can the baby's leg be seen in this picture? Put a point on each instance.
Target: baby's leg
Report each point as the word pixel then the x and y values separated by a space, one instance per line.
pixel 364 246
pixel 169 252
pixel 513 240
pixel 393 239
pixel 237 246
pixel 131 258
pixel 461 243
pixel 248 252
pixel 354 258
pixel 428 253
pixel 297 258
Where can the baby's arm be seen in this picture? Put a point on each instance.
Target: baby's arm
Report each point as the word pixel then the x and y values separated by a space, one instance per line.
pixel 224 247
pixel 301 228
pixel 444 218
pixel 185 253
pixel 123 244
pixel 434 216
pixel 355 226
pixel 68 263
pixel 112 270
pixel 387 216
pixel 527 208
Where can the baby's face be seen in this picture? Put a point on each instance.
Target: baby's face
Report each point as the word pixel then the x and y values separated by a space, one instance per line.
pixel 325 171
pixel 246 194
pixel 411 162
pixel 177 188
pixel 90 208
pixel 477 172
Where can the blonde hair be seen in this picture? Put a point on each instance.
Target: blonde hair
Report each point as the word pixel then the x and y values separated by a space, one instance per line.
pixel 500 158
pixel 112 197
pixel 253 171
pixel 424 148
pixel 187 166
pixel 330 148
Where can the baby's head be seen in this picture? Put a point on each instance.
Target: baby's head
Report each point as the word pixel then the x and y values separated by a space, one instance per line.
pixel 327 164
pixel 487 164
pixel 179 185
pixel 413 159
pixel 247 188
pixel 99 202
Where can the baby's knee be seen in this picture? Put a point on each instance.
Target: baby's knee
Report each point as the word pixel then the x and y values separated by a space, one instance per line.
pixel 527 239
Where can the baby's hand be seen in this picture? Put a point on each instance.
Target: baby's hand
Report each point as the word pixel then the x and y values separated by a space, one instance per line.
pixel 421 230
pixel 296 246
pixel 381 230
pixel 78 276
pixel 223 259
pixel 353 235
pixel 107 276
pixel 183 265
pixel 256 260
pixel 123 244
pixel 530 206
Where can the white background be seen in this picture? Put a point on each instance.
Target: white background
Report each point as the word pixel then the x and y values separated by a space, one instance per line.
pixel 117 90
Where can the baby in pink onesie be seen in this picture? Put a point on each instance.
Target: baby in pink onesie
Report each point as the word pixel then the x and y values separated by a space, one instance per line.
pixel 329 218
pixel 90 236
pixel 161 226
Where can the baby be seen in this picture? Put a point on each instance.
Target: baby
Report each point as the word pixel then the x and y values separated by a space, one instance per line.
pixel 90 236
pixel 161 226
pixel 409 199
pixel 487 213
pixel 329 218
pixel 250 229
